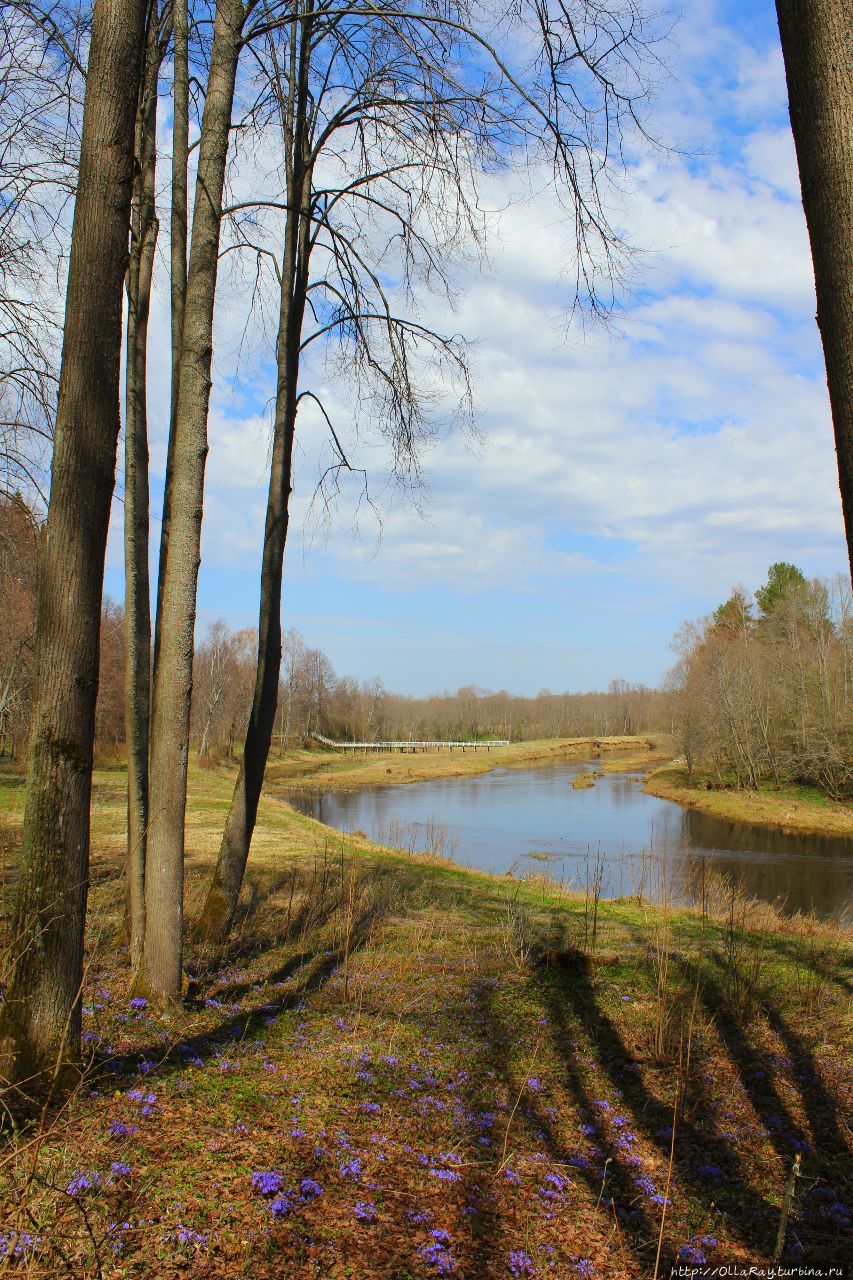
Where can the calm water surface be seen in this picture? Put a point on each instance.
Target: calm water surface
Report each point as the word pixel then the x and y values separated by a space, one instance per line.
pixel 532 818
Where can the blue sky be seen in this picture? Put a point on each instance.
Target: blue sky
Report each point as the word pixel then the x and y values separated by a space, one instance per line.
pixel 622 481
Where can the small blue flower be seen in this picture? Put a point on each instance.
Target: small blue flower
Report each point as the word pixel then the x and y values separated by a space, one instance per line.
pixel 267 1183
pixel 365 1211
pixel 281 1206
pixel 309 1189
pixel 120 1131
pixel 82 1182
pixel 520 1264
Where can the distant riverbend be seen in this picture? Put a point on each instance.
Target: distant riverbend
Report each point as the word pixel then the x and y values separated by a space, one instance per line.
pixel 528 819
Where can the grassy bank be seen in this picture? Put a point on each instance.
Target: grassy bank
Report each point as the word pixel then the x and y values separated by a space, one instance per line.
pixel 438 1072
pixel 313 770
pixel 790 807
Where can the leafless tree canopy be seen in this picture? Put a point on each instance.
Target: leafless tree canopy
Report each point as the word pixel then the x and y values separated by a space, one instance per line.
pixel 40 86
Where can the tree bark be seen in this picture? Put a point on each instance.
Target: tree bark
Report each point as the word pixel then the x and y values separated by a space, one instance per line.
pixel 40 1022
pixel 170 721
pixel 817 44
pixel 137 613
pixel 227 880
pixel 178 247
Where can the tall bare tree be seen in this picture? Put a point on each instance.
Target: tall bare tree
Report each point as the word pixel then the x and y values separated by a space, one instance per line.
pixel 161 972
pixel 817 45
pixel 388 114
pixel 137 612
pixel 40 1021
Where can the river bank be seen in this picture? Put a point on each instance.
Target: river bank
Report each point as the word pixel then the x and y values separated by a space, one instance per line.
pixel 790 808
pixel 400 1068
pixel 325 770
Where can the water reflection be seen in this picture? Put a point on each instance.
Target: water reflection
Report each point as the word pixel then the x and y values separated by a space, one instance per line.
pixel 518 817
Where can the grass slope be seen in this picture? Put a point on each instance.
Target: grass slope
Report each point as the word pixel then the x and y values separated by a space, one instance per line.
pixel 421 1096
pixel 791 807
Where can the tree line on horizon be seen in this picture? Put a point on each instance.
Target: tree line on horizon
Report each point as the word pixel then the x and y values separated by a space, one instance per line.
pixel 312 698
pixel 337 153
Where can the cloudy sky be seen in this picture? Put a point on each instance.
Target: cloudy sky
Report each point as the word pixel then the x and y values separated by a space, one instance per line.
pixel 622 481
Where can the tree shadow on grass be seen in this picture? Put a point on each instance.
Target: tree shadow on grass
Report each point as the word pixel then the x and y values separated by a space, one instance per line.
pixel 312 966
pixel 697 1150
pixel 608 1182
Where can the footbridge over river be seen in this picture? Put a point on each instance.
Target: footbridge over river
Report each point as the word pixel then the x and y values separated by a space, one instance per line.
pixel 410 745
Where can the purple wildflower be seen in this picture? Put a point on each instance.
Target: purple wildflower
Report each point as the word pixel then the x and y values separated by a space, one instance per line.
pixel 185 1235
pixel 121 1169
pixel 584 1267
pixel 120 1131
pixel 281 1206
pixel 437 1254
pixel 267 1183
pixel 351 1169
pixel 138 1003
pixel 19 1244
pixel 82 1182
pixel 309 1189
pixel 520 1264
pixel 365 1211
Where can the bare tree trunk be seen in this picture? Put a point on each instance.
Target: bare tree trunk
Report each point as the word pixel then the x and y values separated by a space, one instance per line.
pixel 817 44
pixel 178 247
pixel 227 879
pixel 170 720
pixel 137 613
pixel 40 1022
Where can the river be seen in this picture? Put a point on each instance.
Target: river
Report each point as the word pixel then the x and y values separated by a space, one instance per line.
pixel 533 819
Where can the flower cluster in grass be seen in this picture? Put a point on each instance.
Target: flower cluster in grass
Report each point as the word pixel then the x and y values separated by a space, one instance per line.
pixel 693 1253
pixel 437 1254
pixel 19 1245
pixel 520 1264
pixel 83 1182
pixel 268 1183
pixel 120 1131
pixel 365 1211
pixel 116 1235
pixel 183 1235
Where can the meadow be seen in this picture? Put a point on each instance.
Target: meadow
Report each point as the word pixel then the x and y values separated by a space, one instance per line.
pixel 401 1068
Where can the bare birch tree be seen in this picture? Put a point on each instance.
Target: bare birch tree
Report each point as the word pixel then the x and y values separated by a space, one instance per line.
pixel 40 1020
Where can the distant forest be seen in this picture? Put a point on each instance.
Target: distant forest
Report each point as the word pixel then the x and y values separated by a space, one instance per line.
pixel 312 696
pixel 760 692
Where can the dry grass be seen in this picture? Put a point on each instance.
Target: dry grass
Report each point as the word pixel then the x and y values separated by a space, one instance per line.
pixel 389 1009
